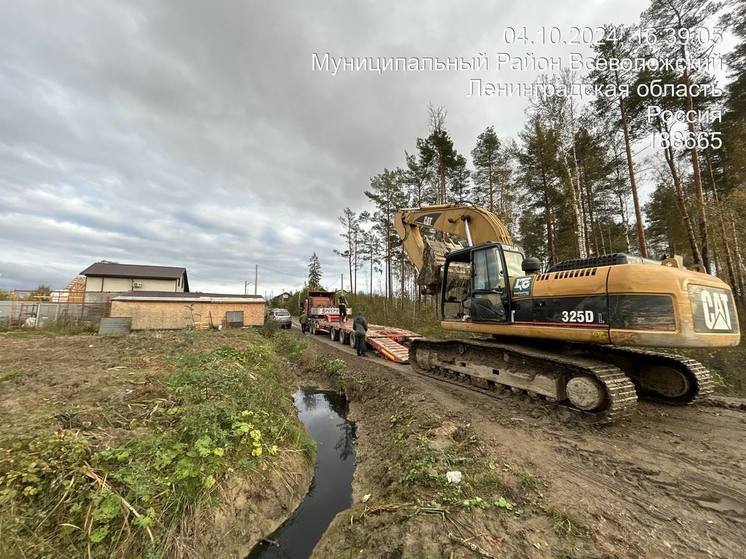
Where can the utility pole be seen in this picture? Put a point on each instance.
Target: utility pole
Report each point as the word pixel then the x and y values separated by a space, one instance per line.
pixel 246 285
pixel 256 277
pixel 341 282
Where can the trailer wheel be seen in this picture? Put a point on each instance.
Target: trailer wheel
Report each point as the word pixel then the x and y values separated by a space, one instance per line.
pixel 333 334
pixel 312 328
pixel 343 337
pixel 352 339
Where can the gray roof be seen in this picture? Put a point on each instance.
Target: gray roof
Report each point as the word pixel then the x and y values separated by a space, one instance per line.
pixel 115 270
pixel 185 296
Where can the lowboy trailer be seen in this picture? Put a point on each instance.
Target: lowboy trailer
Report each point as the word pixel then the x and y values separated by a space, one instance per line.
pixel 390 343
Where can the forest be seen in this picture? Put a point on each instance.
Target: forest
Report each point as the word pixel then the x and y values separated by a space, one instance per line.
pixel 568 185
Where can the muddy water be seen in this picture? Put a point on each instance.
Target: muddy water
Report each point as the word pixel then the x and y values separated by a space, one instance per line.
pixel 323 414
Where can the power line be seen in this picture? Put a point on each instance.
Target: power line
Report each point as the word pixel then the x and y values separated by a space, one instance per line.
pixel 277 271
pixel 640 151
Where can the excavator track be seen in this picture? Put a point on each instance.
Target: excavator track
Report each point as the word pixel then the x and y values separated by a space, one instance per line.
pixel 696 381
pixel 447 360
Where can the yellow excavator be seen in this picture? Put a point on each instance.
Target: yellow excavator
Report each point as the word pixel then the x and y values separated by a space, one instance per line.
pixel 571 334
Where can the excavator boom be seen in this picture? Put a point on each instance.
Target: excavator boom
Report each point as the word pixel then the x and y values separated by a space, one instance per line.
pixel 472 224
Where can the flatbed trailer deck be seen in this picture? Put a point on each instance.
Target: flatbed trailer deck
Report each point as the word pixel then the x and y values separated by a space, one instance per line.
pixel 391 343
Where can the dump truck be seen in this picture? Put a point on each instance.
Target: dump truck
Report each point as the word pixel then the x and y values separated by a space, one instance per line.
pixel 319 306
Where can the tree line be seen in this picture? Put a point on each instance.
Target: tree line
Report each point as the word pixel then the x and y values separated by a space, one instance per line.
pixel 567 185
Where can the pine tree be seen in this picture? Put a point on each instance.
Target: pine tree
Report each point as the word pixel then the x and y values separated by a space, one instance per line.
pixel 371 252
pixel 314 272
pixel 666 231
pixel 492 173
pixel 539 168
pixel 557 114
pixel 417 182
pixel 640 105
pixel 727 166
pixel 350 230
pixel 620 46
pixel 733 126
pixel 530 227
pixel 459 181
pixel 437 157
pixel 687 16
pixel 387 194
pixel 595 170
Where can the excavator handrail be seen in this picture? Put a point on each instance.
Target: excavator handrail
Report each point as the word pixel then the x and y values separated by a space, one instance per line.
pixel 471 223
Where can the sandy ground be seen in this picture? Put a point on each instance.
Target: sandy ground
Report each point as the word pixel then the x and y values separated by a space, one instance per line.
pixel 669 482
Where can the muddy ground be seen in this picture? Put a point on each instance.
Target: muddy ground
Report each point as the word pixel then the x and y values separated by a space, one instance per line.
pixel 670 482
pixel 537 482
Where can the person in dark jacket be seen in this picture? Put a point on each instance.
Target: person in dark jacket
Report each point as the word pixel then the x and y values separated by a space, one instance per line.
pixel 342 312
pixel 360 326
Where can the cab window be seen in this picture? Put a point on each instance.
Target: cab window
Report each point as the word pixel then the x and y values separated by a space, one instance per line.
pixel 481 277
pixel 514 260
pixel 488 270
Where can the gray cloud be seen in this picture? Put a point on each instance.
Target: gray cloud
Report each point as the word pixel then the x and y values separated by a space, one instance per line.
pixel 197 134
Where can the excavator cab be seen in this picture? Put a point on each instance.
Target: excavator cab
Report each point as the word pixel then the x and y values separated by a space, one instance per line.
pixel 477 283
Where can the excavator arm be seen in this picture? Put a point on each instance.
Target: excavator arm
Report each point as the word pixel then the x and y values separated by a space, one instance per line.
pixel 472 224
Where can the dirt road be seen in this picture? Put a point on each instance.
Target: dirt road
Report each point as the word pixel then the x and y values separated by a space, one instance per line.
pixel 670 482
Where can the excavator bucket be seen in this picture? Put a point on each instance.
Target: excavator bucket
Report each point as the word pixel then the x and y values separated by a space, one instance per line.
pixel 433 257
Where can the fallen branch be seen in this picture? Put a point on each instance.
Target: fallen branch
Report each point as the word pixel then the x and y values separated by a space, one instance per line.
pixel 471 546
pixel 386 508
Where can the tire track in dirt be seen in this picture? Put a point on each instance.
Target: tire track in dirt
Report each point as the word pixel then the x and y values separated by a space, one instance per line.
pixel 669 482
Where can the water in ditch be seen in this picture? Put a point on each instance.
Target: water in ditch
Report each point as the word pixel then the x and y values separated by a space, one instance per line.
pixel 324 415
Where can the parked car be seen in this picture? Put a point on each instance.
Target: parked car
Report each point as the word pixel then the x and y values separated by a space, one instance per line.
pixel 281 317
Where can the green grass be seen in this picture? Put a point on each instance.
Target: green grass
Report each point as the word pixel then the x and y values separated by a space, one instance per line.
pixel 223 412
pixel 60 327
pixel 565 524
pixel 528 481
pixel 11 375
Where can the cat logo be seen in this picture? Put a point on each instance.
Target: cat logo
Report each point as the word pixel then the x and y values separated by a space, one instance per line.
pixel 716 311
pixel 428 219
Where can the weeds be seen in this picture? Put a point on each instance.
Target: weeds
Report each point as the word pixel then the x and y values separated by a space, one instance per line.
pixel 63 326
pixel 270 328
pixel 226 410
pixel 333 368
pixel 423 476
pixel 290 347
pixel 11 375
pixel 528 481
pixel 565 524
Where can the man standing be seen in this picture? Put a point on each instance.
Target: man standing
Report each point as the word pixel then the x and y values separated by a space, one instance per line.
pixel 360 326
pixel 342 311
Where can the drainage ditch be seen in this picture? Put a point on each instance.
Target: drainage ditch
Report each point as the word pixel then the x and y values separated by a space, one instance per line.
pixel 323 414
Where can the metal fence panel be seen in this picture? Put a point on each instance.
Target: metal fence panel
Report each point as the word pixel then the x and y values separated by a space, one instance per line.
pixel 39 313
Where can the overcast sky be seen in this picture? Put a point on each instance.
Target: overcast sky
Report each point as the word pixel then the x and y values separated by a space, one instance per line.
pixel 197 133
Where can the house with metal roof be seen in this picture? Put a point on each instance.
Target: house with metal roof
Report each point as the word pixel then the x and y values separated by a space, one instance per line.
pixel 111 277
